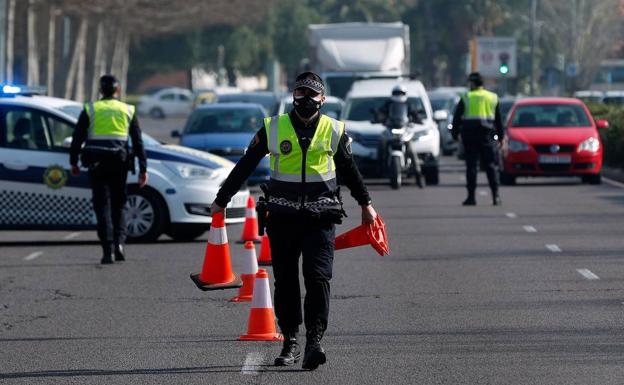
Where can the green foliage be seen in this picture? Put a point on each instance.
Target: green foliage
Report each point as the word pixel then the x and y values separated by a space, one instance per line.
pixel 613 137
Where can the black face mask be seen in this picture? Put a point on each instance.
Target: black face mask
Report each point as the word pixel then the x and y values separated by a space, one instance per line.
pixel 306 106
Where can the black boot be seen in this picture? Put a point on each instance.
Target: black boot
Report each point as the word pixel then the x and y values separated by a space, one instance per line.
pixel 291 353
pixel 470 201
pixel 314 354
pixel 107 256
pixel 119 253
pixel 496 201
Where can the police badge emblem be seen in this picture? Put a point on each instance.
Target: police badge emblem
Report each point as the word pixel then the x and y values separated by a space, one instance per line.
pixel 286 147
pixel 55 177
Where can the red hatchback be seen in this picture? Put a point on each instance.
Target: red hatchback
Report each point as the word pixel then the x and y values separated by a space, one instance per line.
pixel 552 137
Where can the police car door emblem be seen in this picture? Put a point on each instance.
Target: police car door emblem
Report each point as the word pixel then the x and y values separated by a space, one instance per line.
pixel 55 177
pixel 286 147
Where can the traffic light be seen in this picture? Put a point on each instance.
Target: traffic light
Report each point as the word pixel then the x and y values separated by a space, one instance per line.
pixel 503 67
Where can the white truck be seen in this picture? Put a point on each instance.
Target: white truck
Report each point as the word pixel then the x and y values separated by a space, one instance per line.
pixel 344 52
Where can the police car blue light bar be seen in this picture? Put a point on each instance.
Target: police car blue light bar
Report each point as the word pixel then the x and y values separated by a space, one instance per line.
pixel 7 89
pixel 10 90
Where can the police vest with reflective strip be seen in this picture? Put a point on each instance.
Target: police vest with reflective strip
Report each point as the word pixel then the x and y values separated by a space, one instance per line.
pixel 480 104
pixel 286 155
pixel 109 119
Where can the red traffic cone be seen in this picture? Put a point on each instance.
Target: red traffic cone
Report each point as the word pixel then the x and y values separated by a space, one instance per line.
pixel 248 274
pixel 250 228
pixel 261 325
pixel 374 235
pixel 265 252
pixel 217 272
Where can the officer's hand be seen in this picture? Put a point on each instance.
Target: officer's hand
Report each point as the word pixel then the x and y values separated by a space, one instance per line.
pixel 75 170
pixel 215 208
pixel 368 215
pixel 142 179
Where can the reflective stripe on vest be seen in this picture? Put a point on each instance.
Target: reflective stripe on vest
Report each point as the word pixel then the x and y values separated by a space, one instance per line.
pixel 286 156
pixel 480 104
pixel 109 119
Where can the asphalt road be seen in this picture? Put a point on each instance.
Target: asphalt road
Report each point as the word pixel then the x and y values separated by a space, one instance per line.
pixel 531 292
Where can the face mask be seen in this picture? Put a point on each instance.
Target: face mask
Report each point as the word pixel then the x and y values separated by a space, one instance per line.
pixel 307 106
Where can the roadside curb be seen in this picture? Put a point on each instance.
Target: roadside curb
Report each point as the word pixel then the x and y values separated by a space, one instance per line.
pixel 615 174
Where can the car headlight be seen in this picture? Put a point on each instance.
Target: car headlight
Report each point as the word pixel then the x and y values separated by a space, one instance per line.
pixel 418 135
pixel 189 171
pixel 591 145
pixel 517 146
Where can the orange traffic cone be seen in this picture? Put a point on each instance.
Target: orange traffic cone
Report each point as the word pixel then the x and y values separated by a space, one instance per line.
pixel 250 228
pixel 261 325
pixel 248 274
pixel 374 235
pixel 217 272
pixel 265 252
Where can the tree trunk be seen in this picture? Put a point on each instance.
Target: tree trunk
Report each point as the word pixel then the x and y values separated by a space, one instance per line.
pixel 99 63
pixel 51 50
pixel 82 60
pixel 125 61
pixel 10 41
pixel 33 54
pixel 71 73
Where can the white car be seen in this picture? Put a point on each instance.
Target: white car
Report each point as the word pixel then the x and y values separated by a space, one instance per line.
pixel 166 102
pixel 37 190
pixel 367 96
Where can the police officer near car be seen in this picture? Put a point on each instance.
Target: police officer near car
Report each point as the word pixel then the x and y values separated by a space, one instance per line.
pixel 478 120
pixel 105 127
pixel 307 150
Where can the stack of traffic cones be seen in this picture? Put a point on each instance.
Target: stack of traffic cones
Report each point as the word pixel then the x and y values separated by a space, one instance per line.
pixel 261 325
pixel 248 274
pixel 217 271
pixel 250 228
pixel 265 252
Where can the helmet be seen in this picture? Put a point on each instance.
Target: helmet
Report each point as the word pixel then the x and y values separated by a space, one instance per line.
pixel 399 90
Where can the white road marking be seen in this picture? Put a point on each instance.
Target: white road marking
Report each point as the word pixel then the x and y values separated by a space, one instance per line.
pixel 71 236
pixel 462 178
pixel 554 248
pixel 587 274
pixel 511 215
pixel 529 229
pixel 252 363
pixel 613 182
pixel 32 256
pixel 483 193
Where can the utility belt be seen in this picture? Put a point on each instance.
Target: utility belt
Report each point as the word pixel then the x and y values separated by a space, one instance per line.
pixel 325 207
pixel 93 156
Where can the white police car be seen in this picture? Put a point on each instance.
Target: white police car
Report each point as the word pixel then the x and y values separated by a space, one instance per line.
pixel 37 190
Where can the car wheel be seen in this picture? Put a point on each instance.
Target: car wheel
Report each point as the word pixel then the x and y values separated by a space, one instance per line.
pixel 432 175
pixel 157 113
pixel 146 214
pixel 592 179
pixel 507 179
pixel 183 232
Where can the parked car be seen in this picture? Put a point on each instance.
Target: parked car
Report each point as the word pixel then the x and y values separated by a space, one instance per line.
pixel 266 99
pixel 367 96
pixel 226 129
pixel 552 137
pixel 38 191
pixel 332 107
pixel 166 102
pixel 443 104
pixel 589 96
pixel 615 98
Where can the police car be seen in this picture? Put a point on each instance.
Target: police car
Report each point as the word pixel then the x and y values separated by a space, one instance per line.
pixel 38 192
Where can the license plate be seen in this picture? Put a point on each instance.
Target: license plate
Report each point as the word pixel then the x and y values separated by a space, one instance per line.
pixel 238 201
pixel 555 159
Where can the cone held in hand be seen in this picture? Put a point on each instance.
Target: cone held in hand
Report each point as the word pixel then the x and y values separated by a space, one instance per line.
pixel 248 274
pixel 265 252
pixel 261 325
pixel 373 234
pixel 250 228
pixel 217 271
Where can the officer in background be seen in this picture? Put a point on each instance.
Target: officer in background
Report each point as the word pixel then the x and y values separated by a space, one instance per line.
pixel 478 120
pixel 104 127
pixel 306 150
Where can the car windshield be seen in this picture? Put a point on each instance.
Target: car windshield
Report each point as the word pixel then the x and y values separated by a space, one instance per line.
pixel 550 115
pixel 269 102
pixel 505 106
pixel 359 109
pixel 442 104
pixel 223 120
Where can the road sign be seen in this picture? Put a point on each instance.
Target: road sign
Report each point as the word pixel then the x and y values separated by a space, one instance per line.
pixel 572 70
pixel 496 57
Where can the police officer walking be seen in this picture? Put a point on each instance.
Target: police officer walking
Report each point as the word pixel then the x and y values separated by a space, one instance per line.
pixel 307 149
pixel 104 127
pixel 477 118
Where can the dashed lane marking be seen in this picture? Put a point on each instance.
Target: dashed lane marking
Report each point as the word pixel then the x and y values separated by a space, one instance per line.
pixel 554 248
pixel 71 236
pixel 483 193
pixel 529 229
pixel 511 215
pixel 32 256
pixel 253 363
pixel 587 274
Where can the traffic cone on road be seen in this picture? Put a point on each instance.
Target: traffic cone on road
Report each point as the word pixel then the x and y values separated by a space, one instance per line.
pixel 217 271
pixel 250 228
pixel 265 252
pixel 261 325
pixel 248 274
pixel 374 235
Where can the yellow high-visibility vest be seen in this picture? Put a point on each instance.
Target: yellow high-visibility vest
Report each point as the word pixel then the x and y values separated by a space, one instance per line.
pixel 109 119
pixel 480 104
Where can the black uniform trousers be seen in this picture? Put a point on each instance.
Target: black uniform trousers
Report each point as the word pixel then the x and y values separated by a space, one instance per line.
pixel 480 146
pixel 292 235
pixel 108 186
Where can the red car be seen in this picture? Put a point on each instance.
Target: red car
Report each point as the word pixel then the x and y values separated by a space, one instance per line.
pixel 552 137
